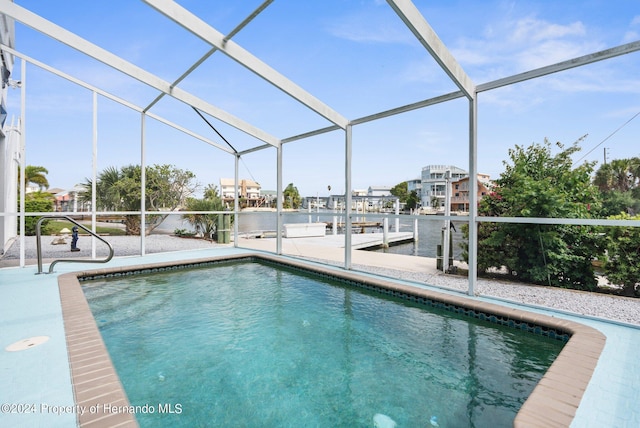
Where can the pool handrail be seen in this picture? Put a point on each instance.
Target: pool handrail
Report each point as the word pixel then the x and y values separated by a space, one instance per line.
pixel 53 263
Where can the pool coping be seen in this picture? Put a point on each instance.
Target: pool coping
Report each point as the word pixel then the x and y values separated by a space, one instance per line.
pixel 553 402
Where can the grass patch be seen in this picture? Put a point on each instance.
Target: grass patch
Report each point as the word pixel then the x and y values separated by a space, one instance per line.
pixel 55 226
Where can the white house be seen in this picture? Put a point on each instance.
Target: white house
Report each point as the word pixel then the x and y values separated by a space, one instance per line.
pixel 379 191
pixel 9 141
pixel 434 183
pixel 248 190
pixel 414 184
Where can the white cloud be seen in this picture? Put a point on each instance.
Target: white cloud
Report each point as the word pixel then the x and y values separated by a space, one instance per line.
pixel 535 30
pixel 510 46
pixel 631 36
pixel 553 51
pixel 370 26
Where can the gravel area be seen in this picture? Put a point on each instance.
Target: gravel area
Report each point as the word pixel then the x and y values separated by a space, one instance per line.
pixel 122 246
pixel 615 308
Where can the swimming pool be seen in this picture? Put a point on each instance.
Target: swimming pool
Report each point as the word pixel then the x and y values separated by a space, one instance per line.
pixel 314 352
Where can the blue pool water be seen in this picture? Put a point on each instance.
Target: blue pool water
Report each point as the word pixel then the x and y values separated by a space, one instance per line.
pixel 247 344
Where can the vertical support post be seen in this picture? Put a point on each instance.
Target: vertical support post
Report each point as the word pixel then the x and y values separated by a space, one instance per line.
pixel 385 232
pixel 23 161
pixel 236 184
pixel 279 195
pixel 473 193
pixel 143 185
pixel 347 196
pixel 94 172
pixel 334 229
pixel 447 222
pixel 236 202
pixel 415 230
pixel 397 229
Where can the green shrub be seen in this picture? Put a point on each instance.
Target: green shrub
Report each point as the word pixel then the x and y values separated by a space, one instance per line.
pixel 623 250
pixel 36 203
pixel 539 183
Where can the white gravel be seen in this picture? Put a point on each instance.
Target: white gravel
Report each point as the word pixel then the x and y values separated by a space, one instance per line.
pixel 122 246
pixel 615 308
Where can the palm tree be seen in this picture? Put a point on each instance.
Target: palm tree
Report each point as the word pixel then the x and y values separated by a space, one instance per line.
pixel 211 192
pixel 620 175
pixel 292 197
pixel 36 175
pixel 118 189
pixel 635 170
pixel 107 190
pixel 205 224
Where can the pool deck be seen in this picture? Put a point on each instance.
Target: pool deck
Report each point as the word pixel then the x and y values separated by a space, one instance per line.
pixel 37 389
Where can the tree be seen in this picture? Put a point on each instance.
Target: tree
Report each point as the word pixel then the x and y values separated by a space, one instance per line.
pixel 206 224
pixel 618 182
pixel 211 192
pixel 292 197
pixel 614 202
pixel 623 247
pixel 400 191
pixel 409 199
pixel 35 175
pixel 167 188
pixel 539 184
pixel 413 200
pixel 37 202
pixel 619 174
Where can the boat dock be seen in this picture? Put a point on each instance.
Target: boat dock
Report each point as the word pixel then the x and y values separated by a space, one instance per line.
pixel 357 225
pixel 359 241
pixel 331 247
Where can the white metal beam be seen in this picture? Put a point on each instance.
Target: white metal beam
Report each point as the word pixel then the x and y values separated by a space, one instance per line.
pixel 419 26
pixel 211 51
pixel 62 35
pixel 198 27
pixel 561 66
pixel 348 195
pixel 473 196
pixel 279 200
pixel 114 98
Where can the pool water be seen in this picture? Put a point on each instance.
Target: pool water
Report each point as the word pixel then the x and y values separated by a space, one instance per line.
pixel 248 344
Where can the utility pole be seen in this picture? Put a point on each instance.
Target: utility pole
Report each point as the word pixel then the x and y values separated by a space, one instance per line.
pixel 605 155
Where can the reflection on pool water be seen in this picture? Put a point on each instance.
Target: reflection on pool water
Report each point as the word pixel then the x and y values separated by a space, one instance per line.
pixel 248 344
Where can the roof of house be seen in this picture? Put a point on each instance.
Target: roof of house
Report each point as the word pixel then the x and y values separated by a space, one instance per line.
pixel 231 182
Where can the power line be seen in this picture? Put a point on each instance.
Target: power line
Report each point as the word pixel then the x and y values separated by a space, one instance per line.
pixel 609 136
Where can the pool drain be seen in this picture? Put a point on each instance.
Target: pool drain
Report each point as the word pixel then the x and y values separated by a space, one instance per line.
pixel 23 344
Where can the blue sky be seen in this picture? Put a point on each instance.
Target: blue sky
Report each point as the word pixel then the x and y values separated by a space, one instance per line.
pixel 354 55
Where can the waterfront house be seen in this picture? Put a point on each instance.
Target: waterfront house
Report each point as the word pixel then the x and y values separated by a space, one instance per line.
pixel 434 183
pixel 248 191
pixel 460 192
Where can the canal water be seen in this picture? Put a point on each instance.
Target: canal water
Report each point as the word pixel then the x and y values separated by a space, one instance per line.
pixel 429 229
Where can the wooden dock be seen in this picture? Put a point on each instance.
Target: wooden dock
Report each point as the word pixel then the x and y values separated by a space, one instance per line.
pixel 359 241
pixel 356 225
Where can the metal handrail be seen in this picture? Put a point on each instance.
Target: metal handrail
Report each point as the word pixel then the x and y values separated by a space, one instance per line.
pixel 39 244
